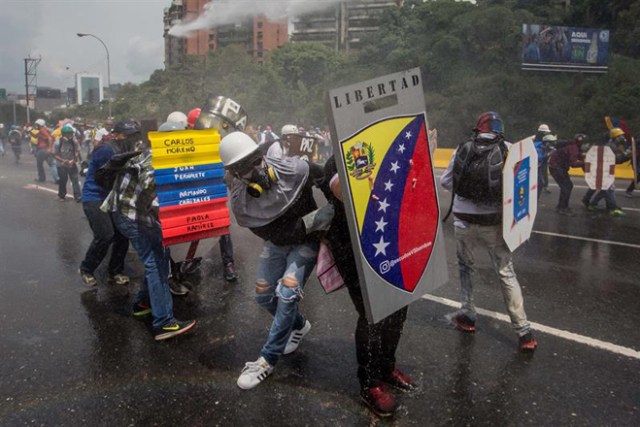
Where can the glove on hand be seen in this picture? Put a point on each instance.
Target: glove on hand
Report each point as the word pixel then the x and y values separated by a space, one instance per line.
pixel 320 219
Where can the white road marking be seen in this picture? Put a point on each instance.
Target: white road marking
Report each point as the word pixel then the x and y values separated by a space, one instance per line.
pixel 37 187
pixel 581 339
pixel 587 239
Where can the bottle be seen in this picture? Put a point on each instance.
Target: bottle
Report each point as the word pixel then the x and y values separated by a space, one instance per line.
pixel 592 53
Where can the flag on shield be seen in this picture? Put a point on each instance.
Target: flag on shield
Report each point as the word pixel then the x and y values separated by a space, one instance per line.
pixel 395 202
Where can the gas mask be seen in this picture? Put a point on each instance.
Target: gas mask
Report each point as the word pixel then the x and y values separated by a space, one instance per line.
pixel 256 175
pixel 128 144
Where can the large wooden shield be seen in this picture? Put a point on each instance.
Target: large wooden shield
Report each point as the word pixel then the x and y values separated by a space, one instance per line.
pixel 386 173
pixel 519 193
pixel 599 167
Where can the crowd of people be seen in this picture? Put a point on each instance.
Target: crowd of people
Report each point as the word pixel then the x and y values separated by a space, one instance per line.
pixel 557 157
pixel 271 194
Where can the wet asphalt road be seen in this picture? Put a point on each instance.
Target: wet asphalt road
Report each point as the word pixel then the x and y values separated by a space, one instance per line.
pixel 74 356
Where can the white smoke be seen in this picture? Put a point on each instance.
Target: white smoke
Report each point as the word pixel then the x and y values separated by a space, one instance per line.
pixel 221 12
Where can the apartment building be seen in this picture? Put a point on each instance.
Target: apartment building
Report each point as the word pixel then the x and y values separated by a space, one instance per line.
pixel 257 34
pixel 343 26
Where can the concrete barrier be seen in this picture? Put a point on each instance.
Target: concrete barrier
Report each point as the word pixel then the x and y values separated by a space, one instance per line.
pixel 442 156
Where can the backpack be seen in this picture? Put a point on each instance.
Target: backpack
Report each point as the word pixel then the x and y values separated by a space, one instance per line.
pixel 477 171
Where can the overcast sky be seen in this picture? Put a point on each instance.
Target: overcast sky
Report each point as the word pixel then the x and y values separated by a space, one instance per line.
pixel 131 29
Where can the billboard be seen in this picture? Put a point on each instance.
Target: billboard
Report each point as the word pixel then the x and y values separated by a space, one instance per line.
pixel 553 48
pixel 386 174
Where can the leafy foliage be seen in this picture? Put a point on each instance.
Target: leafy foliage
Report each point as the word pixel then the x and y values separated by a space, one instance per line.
pixel 469 55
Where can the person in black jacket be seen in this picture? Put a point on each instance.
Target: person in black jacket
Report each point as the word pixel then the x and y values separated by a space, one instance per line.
pixel 376 344
pixel 273 198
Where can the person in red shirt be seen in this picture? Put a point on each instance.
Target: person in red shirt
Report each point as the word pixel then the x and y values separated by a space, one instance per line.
pixel 44 152
pixel 566 155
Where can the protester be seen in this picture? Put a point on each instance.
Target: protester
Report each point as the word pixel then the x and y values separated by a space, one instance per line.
pixel 636 174
pixel 43 153
pixel 134 205
pixel 15 139
pixel 105 233
pixel 376 344
pixel 617 143
pixel 474 175
pixel 565 156
pixel 224 121
pixel 67 155
pixel 274 199
pixel 543 150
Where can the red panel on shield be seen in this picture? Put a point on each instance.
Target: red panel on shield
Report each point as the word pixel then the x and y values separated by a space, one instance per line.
pixel 418 208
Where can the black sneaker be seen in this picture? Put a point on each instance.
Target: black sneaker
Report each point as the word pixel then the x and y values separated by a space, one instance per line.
pixel 464 323
pixel 141 309
pixel 230 274
pixel 379 400
pixel 173 329
pixel 177 288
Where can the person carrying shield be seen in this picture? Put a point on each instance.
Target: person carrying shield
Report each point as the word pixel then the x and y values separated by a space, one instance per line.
pixel 376 344
pixel 274 199
pixel 474 175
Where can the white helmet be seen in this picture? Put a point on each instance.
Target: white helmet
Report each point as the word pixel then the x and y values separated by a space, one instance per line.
pixel 544 128
pixel 550 138
pixel 235 147
pixel 40 122
pixel 171 126
pixel 177 116
pixel 289 130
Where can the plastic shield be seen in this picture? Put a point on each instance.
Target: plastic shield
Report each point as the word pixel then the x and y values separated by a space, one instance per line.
pixel 386 173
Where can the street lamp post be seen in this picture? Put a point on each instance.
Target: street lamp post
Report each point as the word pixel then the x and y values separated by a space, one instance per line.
pixel 108 66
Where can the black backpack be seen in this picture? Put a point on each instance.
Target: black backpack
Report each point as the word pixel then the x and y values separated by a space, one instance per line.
pixel 477 172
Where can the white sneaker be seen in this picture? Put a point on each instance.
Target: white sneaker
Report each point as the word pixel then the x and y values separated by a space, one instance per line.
pixel 296 337
pixel 254 373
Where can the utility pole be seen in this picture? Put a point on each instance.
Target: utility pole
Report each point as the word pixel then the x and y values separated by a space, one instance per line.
pixel 31 79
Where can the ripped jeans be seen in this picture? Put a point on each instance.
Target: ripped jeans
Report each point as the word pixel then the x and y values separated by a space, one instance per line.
pixel 282 273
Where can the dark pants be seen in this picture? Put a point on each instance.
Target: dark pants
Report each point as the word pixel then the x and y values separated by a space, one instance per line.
pixel 71 173
pixel 42 156
pixel 226 249
pixel 104 233
pixel 566 186
pixel 376 344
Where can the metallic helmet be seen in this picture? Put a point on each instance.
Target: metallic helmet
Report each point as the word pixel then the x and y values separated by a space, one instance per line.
pixel 222 113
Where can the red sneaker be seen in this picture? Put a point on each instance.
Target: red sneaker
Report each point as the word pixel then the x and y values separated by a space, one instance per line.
pixel 527 342
pixel 379 400
pixel 464 323
pixel 400 381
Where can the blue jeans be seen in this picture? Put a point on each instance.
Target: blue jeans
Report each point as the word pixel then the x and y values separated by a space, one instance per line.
pixel 104 235
pixel 155 289
pixel 471 236
pixel 593 197
pixel 282 273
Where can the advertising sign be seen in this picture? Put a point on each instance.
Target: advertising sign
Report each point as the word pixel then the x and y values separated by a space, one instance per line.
pixel 552 48
pixel 519 193
pixel 386 174
pixel 189 180
pixel 600 167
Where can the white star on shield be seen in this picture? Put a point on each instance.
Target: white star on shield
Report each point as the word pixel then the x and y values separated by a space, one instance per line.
pixel 395 167
pixel 388 185
pixel 401 148
pixel 383 206
pixel 381 224
pixel 408 135
pixel 381 247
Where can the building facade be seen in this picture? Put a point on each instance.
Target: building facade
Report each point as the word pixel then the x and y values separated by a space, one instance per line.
pixel 89 88
pixel 257 34
pixel 343 26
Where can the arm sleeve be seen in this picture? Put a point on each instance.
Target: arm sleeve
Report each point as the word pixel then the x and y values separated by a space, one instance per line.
pixel 446 180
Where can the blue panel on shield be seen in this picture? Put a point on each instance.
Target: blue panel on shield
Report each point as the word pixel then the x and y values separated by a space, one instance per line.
pixel 521 189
